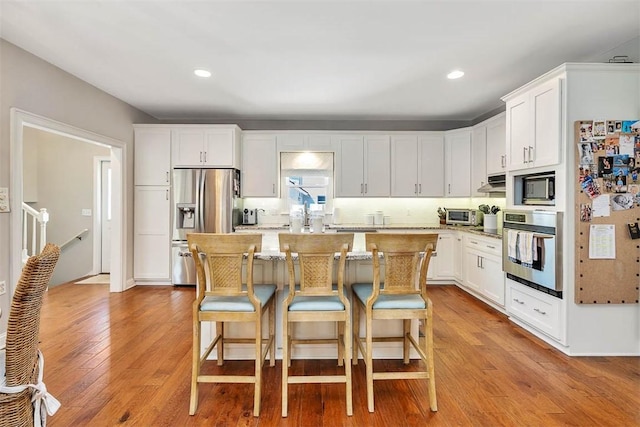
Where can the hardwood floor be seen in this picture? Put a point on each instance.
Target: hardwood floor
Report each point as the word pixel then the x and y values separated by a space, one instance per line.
pixel 115 359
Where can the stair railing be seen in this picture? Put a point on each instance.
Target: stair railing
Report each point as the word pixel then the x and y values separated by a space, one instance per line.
pixel 34 223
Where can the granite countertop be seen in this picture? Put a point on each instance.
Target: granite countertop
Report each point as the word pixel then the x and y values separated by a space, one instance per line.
pixel 362 228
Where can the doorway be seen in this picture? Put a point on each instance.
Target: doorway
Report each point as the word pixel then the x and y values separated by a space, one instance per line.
pixel 117 259
pixel 104 212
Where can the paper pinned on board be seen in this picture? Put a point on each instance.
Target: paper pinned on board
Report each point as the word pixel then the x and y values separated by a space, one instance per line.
pixel 600 206
pixel 602 241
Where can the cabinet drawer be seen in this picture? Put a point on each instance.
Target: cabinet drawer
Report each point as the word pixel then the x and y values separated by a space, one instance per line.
pixel 492 247
pixel 539 310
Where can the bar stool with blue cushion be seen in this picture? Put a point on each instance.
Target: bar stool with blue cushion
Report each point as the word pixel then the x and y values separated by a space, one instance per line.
pixel 402 296
pixel 222 297
pixel 316 299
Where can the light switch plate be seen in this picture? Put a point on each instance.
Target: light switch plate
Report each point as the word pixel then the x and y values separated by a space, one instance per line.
pixel 4 199
pixel 86 212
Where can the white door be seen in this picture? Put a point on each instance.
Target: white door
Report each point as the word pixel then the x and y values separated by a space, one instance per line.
pixel 105 216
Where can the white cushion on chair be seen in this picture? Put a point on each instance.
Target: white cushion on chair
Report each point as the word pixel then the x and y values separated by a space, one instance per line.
pixel 364 290
pixel 213 303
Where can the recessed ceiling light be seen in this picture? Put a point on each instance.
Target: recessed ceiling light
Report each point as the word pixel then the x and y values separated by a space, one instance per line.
pixel 455 74
pixel 202 73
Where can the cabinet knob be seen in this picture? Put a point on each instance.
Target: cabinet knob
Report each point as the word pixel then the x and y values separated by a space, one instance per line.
pixel 530 154
pixel 518 301
pixel 540 311
pixel 419 188
pixel 415 188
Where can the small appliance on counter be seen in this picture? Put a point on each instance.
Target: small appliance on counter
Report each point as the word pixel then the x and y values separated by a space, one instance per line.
pixel 463 217
pixel 249 216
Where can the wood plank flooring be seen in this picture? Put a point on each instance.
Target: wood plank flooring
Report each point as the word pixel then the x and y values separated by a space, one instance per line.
pixel 124 359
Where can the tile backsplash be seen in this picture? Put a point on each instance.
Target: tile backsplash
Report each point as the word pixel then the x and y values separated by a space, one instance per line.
pixel 353 210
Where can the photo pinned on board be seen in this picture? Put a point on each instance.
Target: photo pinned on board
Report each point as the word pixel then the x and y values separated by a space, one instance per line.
pixel 620 184
pixel 612 145
pixel 611 126
pixel 599 129
pixel 585 212
pixel 605 166
pixel 590 187
pixel 585 152
pixel 621 202
pixel 586 132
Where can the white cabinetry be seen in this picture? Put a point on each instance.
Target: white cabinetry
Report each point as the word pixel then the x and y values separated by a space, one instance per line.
pixel 291 142
pixel 542 311
pixel 478 160
pixel 496 145
pixel 458 163
pixel 152 155
pixel 533 125
pixel 417 165
pixel 444 268
pixel 483 268
pixel 458 260
pixel 151 240
pixel 212 146
pixel 152 206
pixel 259 166
pixel 363 166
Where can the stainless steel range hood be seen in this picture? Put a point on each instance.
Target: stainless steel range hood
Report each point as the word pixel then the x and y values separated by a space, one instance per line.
pixel 495 184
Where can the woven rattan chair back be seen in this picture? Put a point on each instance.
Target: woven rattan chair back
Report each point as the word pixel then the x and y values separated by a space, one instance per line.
pixel 218 257
pixel 23 333
pixel 402 258
pixel 316 256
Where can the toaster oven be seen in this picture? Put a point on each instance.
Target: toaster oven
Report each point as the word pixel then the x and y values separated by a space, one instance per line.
pixel 464 217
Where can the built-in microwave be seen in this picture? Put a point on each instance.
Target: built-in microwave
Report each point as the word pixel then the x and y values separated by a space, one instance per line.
pixel 464 216
pixel 539 189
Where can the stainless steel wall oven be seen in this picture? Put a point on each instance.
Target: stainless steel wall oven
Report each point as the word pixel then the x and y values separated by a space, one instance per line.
pixel 532 249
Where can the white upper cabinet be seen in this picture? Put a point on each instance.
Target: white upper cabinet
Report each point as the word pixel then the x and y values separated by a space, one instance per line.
pixel 458 163
pixel 292 142
pixel 211 146
pixel 363 166
pixel 152 156
pixel 417 165
pixel 259 166
pixel 478 160
pixel 496 145
pixel 533 125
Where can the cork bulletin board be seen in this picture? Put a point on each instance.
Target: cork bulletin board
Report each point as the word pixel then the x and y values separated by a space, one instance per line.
pixel 607 212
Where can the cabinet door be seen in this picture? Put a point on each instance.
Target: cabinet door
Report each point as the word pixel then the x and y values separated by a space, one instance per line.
pixel 319 143
pixel 377 167
pixel 478 160
pixel 259 166
pixel 445 250
pixel 404 166
pixel 496 146
pixel 493 278
pixel 518 132
pixel 458 162
pixel 431 166
pixel 151 241
pixel 290 142
pixel 458 258
pixel 350 176
pixel 219 149
pixel 152 156
pixel 472 271
pixel 187 147
pixel 546 101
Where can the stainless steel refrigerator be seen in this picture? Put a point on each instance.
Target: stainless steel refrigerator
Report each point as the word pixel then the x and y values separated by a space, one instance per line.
pixel 206 201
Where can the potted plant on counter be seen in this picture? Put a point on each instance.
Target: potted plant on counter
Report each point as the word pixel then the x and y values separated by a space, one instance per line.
pixel 442 213
pixel 490 217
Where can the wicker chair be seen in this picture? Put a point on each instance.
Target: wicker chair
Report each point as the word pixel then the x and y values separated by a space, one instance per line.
pixel 221 297
pixel 316 300
pixel 21 357
pixel 395 297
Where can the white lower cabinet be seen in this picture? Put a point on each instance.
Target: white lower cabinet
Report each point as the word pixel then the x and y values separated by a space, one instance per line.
pixel 458 260
pixel 442 265
pixel 151 239
pixel 535 308
pixel 483 268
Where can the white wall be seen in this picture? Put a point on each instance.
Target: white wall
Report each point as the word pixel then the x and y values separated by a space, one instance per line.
pixel 594 94
pixel 35 86
pixel 65 188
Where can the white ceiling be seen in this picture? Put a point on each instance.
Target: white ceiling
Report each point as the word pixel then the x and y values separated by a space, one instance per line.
pixel 327 60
